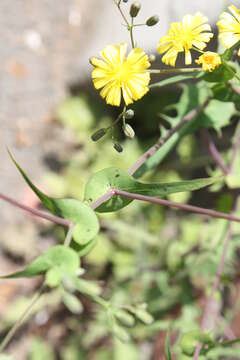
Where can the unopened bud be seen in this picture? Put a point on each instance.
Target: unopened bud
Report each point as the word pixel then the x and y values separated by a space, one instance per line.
pixel 152 58
pixel 98 134
pixel 125 1
pixel 118 147
pixel 129 114
pixel 128 131
pixel 135 8
pixel 153 20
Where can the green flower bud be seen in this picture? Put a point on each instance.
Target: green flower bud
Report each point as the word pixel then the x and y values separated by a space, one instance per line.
pixel 153 20
pixel 129 114
pixel 98 134
pixel 128 131
pixel 135 8
pixel 118 147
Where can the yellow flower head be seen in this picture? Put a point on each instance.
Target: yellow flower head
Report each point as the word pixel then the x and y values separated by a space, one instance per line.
pixel 209 61
pixel 229 27
pixel 118 75
pixel 192 31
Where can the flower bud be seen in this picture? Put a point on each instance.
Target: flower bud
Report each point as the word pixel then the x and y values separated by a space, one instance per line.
pixel 125 1
pixel 153 20
pixel 118 147
pixel 129 114
pixel 128 131
pixel 152 58
pixel 98 134
pixel 135 8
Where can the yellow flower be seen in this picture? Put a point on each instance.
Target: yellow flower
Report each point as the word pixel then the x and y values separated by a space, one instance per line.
pixel 118 75
pixel 229 27
pixel 209 60
pixel 192 32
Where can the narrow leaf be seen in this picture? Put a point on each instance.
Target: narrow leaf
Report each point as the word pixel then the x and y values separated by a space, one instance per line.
pixel 113 178
pixel 167 347
pixel 176 79
pixel 80 214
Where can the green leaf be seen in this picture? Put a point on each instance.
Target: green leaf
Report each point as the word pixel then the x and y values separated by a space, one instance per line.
pixel 176 79
pixel 113 178
pixel 216 115
pixel 80 214
pixel 62 259
pixel 167 348
pixel 223 73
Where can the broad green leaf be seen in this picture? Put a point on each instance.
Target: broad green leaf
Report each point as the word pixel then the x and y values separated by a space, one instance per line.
pixel 81 215
pixel 167 348
pixel 176 79
pixel 216 115
pixel 223 73
pixel 62 259
pixel 113 178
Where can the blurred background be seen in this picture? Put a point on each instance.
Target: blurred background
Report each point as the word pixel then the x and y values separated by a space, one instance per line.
pixel 48 111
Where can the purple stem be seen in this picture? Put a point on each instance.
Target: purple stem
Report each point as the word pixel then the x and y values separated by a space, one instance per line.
pixel 190 208
pixel 150 152
pixel 107 196
pixel 35 212
pixel 214 152
pixel 210 301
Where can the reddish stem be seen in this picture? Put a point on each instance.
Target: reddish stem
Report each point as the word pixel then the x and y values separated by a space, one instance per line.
pixel 190 208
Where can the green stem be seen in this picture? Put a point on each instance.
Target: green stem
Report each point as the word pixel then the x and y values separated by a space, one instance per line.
pixel 131 33
pixel 122 14
pixel 20 321
pixel 174 71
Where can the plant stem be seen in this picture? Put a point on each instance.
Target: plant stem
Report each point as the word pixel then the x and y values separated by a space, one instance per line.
pixel 235 89
pixel 150 152
pixel 55 219
pixel 214 152
pixel 102 199
pixel 131 33
pixel 69 235
pixel 210 301
pixel 17 325
pixel 122 14
pixel 185 207
pixel 174 71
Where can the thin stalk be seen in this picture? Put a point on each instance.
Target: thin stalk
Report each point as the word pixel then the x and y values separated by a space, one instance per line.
pixel 131 33
pixel 41 214
pixel 185 207
pixel 174 71
pixel 122 13
pixel 150 152
pixel 20 321
pixel 107 196
pixel 210 301
pixel 69 235
pixel 214 152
